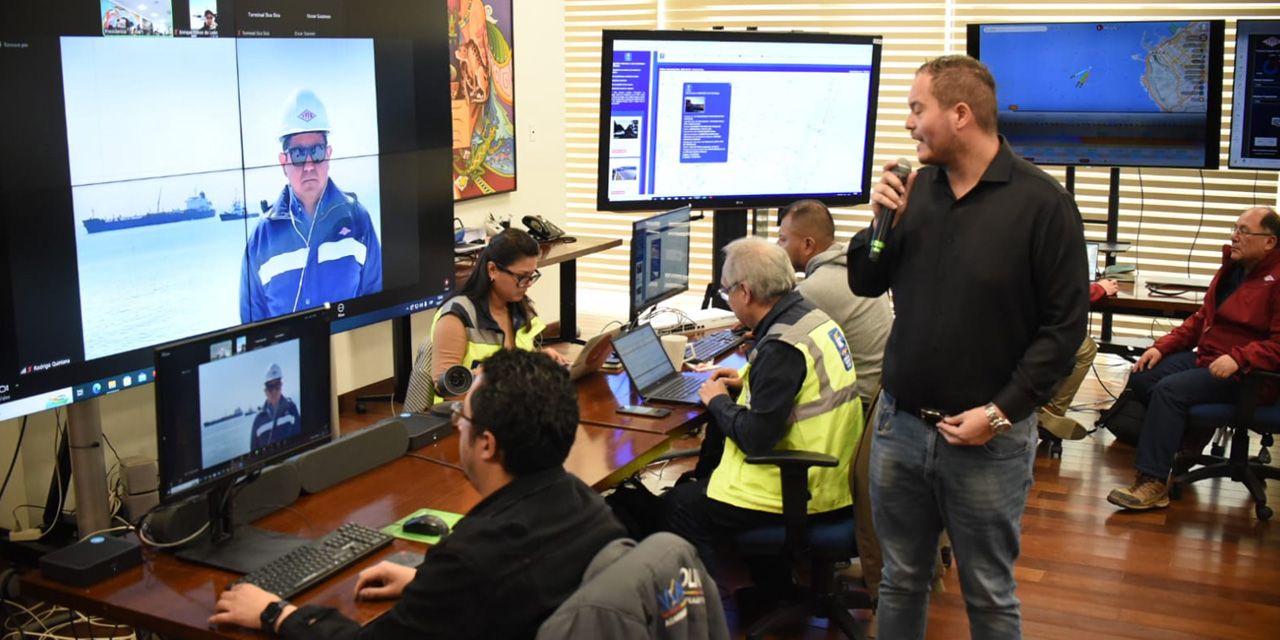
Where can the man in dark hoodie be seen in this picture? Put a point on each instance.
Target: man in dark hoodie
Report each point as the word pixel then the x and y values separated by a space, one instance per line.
pixel 1194 365
pixel 517 555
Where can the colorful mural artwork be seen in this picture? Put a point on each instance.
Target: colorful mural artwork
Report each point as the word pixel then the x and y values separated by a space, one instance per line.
pixel 482 86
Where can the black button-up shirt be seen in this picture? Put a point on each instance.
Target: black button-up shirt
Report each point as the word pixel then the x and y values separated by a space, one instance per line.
pixel 990 297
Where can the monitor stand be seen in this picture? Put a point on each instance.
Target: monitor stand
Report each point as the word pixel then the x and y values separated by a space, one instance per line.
pixel 239 551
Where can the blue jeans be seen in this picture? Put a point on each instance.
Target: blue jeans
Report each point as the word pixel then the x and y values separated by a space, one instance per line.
pixel 919 485
pixel 1170 389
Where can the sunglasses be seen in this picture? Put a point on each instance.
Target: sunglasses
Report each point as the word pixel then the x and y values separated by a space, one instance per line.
pixel 273 386
pixel 299 155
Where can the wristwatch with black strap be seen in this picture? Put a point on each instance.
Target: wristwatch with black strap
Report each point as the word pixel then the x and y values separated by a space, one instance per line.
pixel 999 424
pixel 271 615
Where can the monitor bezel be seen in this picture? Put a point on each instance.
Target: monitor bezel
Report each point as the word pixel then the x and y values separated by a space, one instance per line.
pixel 322 352
pixel 634 309
pixel 610 37
pixel 1238 104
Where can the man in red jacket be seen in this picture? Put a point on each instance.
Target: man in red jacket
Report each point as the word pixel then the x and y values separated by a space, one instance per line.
pixel 1236 330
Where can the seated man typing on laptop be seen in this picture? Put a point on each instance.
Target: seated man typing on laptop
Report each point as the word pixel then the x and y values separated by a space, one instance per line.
pixel 797 392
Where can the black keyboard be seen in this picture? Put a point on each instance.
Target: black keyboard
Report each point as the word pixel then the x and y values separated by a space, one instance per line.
pixel 714 345
pixel 311 564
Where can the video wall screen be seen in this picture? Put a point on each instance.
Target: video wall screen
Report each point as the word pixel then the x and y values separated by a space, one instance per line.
pixel 175 168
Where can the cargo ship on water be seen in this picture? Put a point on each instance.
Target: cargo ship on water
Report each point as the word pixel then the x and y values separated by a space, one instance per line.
pixel 198 208
pixel 236 212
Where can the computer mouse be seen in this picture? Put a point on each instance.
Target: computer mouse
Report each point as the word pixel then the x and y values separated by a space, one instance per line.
pixel 428 525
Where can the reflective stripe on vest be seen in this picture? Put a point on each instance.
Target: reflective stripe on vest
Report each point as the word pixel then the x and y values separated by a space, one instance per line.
pixel 826 418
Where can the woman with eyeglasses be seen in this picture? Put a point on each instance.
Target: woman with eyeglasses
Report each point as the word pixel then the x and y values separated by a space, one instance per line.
pixel 491 311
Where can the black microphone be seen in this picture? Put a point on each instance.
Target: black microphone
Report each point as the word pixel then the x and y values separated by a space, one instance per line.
pixel 903 171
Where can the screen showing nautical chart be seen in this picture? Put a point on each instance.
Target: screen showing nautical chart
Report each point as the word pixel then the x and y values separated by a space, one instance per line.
pixel 1109 94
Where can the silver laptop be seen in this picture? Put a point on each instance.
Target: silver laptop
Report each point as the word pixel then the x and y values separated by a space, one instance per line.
pixel 593 355
pixel 1091 253
pixel 650 370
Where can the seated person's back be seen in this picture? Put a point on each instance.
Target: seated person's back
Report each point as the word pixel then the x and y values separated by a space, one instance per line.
pixel 514 558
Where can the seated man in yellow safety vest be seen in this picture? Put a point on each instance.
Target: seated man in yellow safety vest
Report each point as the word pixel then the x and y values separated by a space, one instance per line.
pixel 795 393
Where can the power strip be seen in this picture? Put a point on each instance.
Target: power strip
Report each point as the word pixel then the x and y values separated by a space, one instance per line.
pixel 25 535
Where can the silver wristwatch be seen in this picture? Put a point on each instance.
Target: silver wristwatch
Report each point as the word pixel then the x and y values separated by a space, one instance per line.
pixel 999 424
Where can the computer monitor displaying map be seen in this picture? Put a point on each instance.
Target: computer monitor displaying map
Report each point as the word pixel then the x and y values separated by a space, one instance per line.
pixel 1255 97
pixel 1118 94
pixel 735 120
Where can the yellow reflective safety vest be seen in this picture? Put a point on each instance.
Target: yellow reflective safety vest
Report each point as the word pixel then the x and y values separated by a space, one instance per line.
pixel 826 418
pixel 483 342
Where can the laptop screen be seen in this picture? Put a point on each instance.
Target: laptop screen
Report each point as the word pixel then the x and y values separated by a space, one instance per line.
pixel 1091 250
pixel 643 356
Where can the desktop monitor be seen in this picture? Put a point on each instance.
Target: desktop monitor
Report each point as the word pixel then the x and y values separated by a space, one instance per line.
pixel 659 259
pixel 735 120
pixel 1255 97
pixel 231 402
pixel 154 181
pixel 1116 94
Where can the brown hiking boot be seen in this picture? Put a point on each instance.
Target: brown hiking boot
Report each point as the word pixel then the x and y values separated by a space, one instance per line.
pixel 1147 492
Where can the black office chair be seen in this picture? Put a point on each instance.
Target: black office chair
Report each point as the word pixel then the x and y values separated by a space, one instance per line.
pixel 1243 416
pixel 826 544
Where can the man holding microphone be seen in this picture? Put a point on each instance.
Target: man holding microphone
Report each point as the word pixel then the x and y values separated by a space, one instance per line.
pixel 983 257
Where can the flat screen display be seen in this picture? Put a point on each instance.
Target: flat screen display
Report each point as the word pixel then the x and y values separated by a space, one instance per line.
pixel 659 258
pixel 1255 97
pixel 735 119
pixel 174 168
pixel 234 400
pixel 1118 94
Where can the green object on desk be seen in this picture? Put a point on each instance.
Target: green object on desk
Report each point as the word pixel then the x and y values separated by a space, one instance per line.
pixel 397 528
pixel 1119 272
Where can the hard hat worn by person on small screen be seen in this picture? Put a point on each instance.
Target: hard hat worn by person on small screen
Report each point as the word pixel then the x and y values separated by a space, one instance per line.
pixel 273 372
pixel 303 112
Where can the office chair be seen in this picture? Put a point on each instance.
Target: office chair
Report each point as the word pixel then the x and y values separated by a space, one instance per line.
pixel 826 545
pixel 1243 416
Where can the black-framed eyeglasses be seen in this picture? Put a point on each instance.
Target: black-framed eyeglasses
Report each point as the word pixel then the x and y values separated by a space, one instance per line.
pixel 315 153
pixel 274 385
pixel 725 291
pixel 456 414
pixel 522 279
pixel 1241 231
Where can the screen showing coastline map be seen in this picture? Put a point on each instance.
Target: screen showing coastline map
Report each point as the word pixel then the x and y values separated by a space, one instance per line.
pixel 1119 94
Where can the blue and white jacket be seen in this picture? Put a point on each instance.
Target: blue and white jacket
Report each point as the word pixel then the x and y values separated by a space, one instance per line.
pixel 288 267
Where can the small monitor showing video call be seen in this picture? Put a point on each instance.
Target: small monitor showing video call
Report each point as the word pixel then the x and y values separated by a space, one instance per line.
pixel 234 400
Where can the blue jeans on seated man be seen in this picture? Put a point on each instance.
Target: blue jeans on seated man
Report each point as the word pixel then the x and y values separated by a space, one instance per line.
pixel 921 484
pixel 1170 389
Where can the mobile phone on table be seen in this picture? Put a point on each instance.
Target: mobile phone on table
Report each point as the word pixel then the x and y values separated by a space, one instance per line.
pixel 648 412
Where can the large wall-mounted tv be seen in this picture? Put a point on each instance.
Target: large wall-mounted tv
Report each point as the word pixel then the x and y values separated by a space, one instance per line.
pixel 1115 94
pixel 732 119
pixel 155 166
pixel 1255 97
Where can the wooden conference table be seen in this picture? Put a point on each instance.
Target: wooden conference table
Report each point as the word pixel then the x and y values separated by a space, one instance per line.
pixel 175 598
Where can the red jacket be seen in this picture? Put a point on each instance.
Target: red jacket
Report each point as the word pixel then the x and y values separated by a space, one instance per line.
pixel 1246 327
pixel 1096 293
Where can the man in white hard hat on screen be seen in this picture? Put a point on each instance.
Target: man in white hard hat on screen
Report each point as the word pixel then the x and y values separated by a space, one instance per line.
pixel 317 243
pixel 278 419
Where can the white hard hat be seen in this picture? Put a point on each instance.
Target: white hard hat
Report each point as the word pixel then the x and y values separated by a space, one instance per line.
pixel 273 372
pixel 303 112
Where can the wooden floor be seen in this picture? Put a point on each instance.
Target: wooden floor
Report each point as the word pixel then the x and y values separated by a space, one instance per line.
pixel 1203 568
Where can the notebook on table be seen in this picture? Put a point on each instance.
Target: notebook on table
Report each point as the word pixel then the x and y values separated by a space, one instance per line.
pixel 650 370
